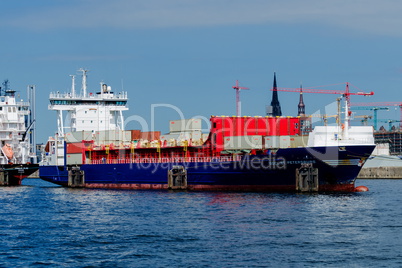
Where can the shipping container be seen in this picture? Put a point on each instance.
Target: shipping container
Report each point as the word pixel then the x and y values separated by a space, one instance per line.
pixel 151 135
pixel 78 136
pixel 185 125
pixel 135 134
pixel 243 142
pixel 271 142
pixel 74 159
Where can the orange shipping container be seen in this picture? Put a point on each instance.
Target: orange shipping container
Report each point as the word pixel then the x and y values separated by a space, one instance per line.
pixel 151 135
pixel 74 148
pixel 135 134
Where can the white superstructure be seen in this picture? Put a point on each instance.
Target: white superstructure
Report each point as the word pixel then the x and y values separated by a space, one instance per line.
pixel 334 136
pixel 15 128
pixel 83 116
pixel 88 111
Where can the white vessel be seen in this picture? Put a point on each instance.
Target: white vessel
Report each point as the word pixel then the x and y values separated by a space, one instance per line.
pixel 17 151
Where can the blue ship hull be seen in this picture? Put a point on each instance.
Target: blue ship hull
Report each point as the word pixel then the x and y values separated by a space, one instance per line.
pixel 335 169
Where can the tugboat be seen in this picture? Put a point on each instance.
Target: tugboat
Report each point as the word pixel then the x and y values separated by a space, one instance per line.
pixel 17 155
pixel 240 153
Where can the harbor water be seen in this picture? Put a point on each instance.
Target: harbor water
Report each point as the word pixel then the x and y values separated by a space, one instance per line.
pixel 43 225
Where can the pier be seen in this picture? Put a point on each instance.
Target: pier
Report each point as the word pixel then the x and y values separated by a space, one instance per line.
pixel 380 173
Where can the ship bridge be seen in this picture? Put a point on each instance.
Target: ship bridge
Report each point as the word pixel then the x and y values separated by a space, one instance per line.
pixel 89 112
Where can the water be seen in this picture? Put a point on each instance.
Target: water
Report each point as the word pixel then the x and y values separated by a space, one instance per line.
pixel 43 225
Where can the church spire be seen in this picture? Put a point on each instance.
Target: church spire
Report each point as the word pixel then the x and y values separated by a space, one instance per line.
pixel 301 106
pixel 275 109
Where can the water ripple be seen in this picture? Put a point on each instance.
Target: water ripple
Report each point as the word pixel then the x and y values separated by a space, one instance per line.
pixel 47 226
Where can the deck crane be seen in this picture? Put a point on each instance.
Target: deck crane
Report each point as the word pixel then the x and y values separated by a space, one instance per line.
pixel 346 93
pixel 238 103
pixel 390 121
pixel 375 109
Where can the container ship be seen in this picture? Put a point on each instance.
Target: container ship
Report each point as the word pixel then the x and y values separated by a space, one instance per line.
pixel 17 150
pixel 240 153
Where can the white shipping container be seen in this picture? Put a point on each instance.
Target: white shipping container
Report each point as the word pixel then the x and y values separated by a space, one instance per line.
pixel 298 141
pixel 78 136
pixel 74 159
pixel 185 125
pixel 242 142
pixel 126 135
pixel 284 141
pixel 167 137
pixel 196 135
pixel 271 142
pixel 112 135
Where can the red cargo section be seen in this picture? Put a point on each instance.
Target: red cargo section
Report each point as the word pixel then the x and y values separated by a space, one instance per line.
pixel 75 147
pixel 78 147
pixel 222 126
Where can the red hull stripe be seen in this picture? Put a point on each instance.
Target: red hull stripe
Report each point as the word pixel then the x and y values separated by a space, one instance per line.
pixel 259 188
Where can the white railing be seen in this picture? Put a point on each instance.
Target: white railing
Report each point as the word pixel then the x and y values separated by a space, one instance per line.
pixel 120 95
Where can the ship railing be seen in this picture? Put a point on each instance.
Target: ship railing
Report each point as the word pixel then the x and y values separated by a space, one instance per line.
pixel 58 95
pixel 216 159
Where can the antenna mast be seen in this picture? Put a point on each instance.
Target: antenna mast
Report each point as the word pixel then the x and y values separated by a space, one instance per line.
pixel 31 118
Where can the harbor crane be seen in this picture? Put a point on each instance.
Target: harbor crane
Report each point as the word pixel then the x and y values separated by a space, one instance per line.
pixel 238 103
pixel 377 104
pixel 364 120
pixel 325 117
pixel 375 110
pixel 345 93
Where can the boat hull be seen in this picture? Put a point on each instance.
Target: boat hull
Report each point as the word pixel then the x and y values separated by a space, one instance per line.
pixel 336 169
pixel 13 174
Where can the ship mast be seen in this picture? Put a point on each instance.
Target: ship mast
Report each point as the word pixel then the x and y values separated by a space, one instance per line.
pixel 72 85
pixel 84 81
pixel 31 119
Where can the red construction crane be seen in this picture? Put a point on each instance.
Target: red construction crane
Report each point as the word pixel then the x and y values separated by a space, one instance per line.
pixel 238 103
pixel 346 93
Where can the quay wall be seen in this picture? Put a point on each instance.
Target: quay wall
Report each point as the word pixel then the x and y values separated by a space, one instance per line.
pixel 380 173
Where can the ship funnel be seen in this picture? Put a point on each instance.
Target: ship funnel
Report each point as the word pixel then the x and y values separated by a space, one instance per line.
pixel 104 88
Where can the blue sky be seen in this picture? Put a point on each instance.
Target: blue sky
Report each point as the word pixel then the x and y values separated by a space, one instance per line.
pixel 189 53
